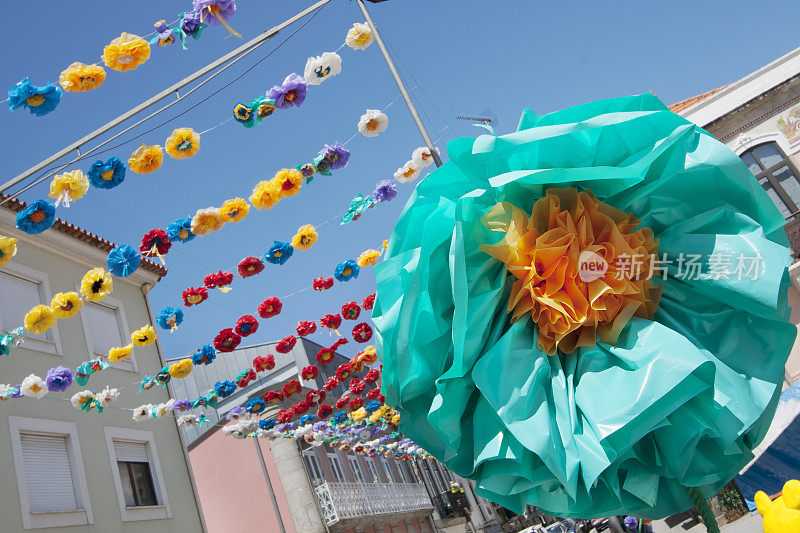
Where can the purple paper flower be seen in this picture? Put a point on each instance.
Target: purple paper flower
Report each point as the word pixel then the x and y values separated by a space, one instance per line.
pixel 164 36
pixel 291 93
pixel 631 522
pixel 58 379
pixel 212 10
pixel 385 191
pixel 182 405
pixel 191 23
pixel 336 154
pixel 235 413
pixel 17 392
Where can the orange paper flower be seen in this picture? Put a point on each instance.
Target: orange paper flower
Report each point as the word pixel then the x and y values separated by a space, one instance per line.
pixel 78 77
pixel 126 52
pixel 146 159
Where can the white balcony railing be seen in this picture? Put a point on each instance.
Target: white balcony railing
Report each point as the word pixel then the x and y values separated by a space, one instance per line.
pixel 340 501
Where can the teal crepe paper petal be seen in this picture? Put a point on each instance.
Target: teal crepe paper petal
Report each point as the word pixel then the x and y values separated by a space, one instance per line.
pixel 680 401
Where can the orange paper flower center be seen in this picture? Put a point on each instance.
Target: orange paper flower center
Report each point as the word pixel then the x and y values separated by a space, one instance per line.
pixel 372 125
pixel 572 263
pixel 35 100
pixel 37 216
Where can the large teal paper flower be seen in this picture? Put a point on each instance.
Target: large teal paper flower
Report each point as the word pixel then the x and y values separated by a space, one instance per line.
pixel 624 428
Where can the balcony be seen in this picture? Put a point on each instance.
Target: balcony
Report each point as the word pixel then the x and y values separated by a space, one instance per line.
pixel 353 501
pixel 792 229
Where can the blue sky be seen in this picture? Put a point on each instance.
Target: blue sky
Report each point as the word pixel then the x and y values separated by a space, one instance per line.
pixel 464 55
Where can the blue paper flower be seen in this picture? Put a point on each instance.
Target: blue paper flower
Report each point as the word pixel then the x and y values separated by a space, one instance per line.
pixel 205 356
pixel 107 175
pixel 180 230
pixel 37 217
pixel 123 261
pixel 39 100
pixel 169 318
pixel 373 406
pixel 267 424
pixel 163 377
pixel 305 419
pixel 279 253
pixel 224 388
pixel 346 270
pixel 339 417
pixel 255 405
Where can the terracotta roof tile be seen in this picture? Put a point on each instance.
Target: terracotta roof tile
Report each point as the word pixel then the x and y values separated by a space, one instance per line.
pixel 677 107
pixel 84 236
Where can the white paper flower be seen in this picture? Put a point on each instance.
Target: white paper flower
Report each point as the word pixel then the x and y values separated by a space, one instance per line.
pixel 160 410
pixel 372 123
pixel 80 398
pixel 422 156
pixel 359 37
pixel 170 403
pixel 106 396
pixel 187 420
pixel 320 68
pixel 5 392
pixel 142 412
pixel 407 173
pixel 33 387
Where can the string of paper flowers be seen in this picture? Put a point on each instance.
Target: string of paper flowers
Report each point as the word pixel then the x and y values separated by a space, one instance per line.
pixel 123 54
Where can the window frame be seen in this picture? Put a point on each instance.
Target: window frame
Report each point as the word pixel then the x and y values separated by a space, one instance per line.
pixel 313 467
pixel 355 466
pixel 129 363
pixel 387 469
pixel 336 463
pixel 373 470
pixel 42 519
pixel 145 512
pixel 42 280
pixel 767 172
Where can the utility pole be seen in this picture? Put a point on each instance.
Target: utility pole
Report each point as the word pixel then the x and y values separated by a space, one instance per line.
pixel 400 85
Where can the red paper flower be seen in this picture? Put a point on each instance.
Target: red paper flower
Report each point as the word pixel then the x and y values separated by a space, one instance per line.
pixel 227 340
pixel 356 386
pixel 250 266
pixel 369 301
pixel 343 372
pixel 355 403
pixel 247 378
pixel 362 332
pixel 356 365
pixel 350 311
pixel 373 394
pixel 381 398
pixel 273 397
pixel 310 372
pixel 325 356
pixel 284 415
pixel 194 296
pixel 341 402
pixel 155 238
pixel 218 280
pixel 291 388
pixel 331 321
pixel 367 355
pixel 316 396
pixel 358 449
pixel 331 384
pixel 270 307
pixel 324 411
pixel 246 325
pixel 301 407
pixel 372 376
pixel 261 364
pixel 323 284
pixel 306 328
pixel 285 345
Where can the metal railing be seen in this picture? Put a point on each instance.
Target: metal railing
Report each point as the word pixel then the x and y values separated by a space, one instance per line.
pixel 340 501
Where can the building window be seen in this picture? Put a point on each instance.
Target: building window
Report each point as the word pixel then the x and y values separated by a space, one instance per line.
pixel 336 466
pixel 356 468
pixel 388 471
pixel 50 475
pixel 373 471
pixel 105 327
pixel 137 474
pixel 776 174
pixel 312 466
pixel 21 289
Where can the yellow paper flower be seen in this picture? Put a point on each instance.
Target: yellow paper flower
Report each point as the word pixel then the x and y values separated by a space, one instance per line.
pixel 265 195
pixel 182 143
pixel 96 285
pixel 66 304
pixel 126 52
pixel 305 238
pixel 181 369
pixel 359 414
pixel 68 187
pixel 359 37
pixel 146 159
pixel 396 419
pixel 368 258
pixel 207 220
pixel 289 180
pixel 8 249
pixel 117 354
pixel 78 77
pixel 234 210
pixel 385 243
pixel 39 319
pixel 144 336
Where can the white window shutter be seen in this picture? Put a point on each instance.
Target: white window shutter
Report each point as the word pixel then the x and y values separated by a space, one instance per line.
pixel 133 452
pixel 17 297
pixel 48 473
pixel 103 327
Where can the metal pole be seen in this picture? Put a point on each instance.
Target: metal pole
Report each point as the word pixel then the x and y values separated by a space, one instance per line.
pixel 260 39
pixel 400 85
pixel 269 484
